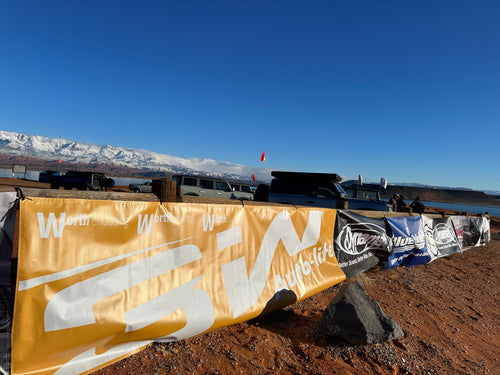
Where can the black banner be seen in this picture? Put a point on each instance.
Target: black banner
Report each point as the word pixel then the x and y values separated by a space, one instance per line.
pixel 7 224
pixel 441 237
pixel 360 242
pixel 482 225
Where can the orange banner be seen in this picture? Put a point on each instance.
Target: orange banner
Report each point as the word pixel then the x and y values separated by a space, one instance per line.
pixel 99 280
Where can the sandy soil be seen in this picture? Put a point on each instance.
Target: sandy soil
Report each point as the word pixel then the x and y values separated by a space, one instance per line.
pixel 10 182
pixel 448 310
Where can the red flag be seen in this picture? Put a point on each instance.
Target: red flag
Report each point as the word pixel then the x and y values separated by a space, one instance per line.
pixel 263 156
pixel 253 177
pixel 60 161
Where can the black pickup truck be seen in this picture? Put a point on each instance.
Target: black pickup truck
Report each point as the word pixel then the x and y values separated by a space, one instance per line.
pixel 317 189
pixel 77 179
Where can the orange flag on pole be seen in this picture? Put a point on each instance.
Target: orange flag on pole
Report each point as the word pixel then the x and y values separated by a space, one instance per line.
pixel 263 156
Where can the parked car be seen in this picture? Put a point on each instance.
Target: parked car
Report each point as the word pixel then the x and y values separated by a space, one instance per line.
pixel 243 192
pixel 203 186
pixel 316 189
pixel 145 187
pixel 81 180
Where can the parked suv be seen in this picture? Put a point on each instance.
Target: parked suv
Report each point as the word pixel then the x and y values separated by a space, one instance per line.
pixel 243 192
pixel 203 186
pixel 316 189
pixel 81 180
pixel 145 187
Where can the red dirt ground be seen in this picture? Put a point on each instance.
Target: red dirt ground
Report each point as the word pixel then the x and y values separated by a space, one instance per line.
pixel 448 309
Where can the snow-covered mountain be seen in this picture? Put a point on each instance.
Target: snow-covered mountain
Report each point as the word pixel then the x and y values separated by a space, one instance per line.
pixel 78 152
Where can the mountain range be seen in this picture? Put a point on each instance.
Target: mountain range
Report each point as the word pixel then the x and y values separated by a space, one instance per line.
pixel 48 153
pixel 135 160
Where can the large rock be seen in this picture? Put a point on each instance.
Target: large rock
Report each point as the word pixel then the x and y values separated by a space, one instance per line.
pixel 358 319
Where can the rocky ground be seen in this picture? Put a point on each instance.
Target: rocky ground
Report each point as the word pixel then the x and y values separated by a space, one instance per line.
pixel 448 310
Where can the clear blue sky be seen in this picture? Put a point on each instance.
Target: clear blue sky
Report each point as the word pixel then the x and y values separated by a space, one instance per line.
pixel 406 90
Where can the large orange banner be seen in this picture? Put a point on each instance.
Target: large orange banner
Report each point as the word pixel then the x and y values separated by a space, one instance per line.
pixel 99 280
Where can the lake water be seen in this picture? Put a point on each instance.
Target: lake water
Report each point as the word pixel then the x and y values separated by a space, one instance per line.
pixel 472 208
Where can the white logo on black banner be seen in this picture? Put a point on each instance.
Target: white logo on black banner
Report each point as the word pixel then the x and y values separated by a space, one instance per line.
pixel 444 235
pixel 357 238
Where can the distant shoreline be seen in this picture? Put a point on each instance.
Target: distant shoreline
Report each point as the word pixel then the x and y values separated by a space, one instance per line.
pixel 439 195
pixel 454 196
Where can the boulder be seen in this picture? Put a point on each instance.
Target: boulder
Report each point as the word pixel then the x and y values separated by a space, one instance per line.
pixel 358 319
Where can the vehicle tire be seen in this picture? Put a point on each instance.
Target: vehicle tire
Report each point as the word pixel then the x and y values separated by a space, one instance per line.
pixel 107 183
pixel 137 190
pixel 68 187
pixel 54 185
pixel 262 192
pixel 82 186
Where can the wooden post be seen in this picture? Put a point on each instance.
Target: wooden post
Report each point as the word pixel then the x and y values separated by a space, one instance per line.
pixel 164 189
pixel 342 205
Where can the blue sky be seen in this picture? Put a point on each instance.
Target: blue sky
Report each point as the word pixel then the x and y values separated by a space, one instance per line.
pixel 406 90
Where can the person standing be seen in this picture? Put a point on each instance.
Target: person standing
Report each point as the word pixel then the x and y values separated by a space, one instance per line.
pixel 417 206
pixel 400 203
pixel 394 202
